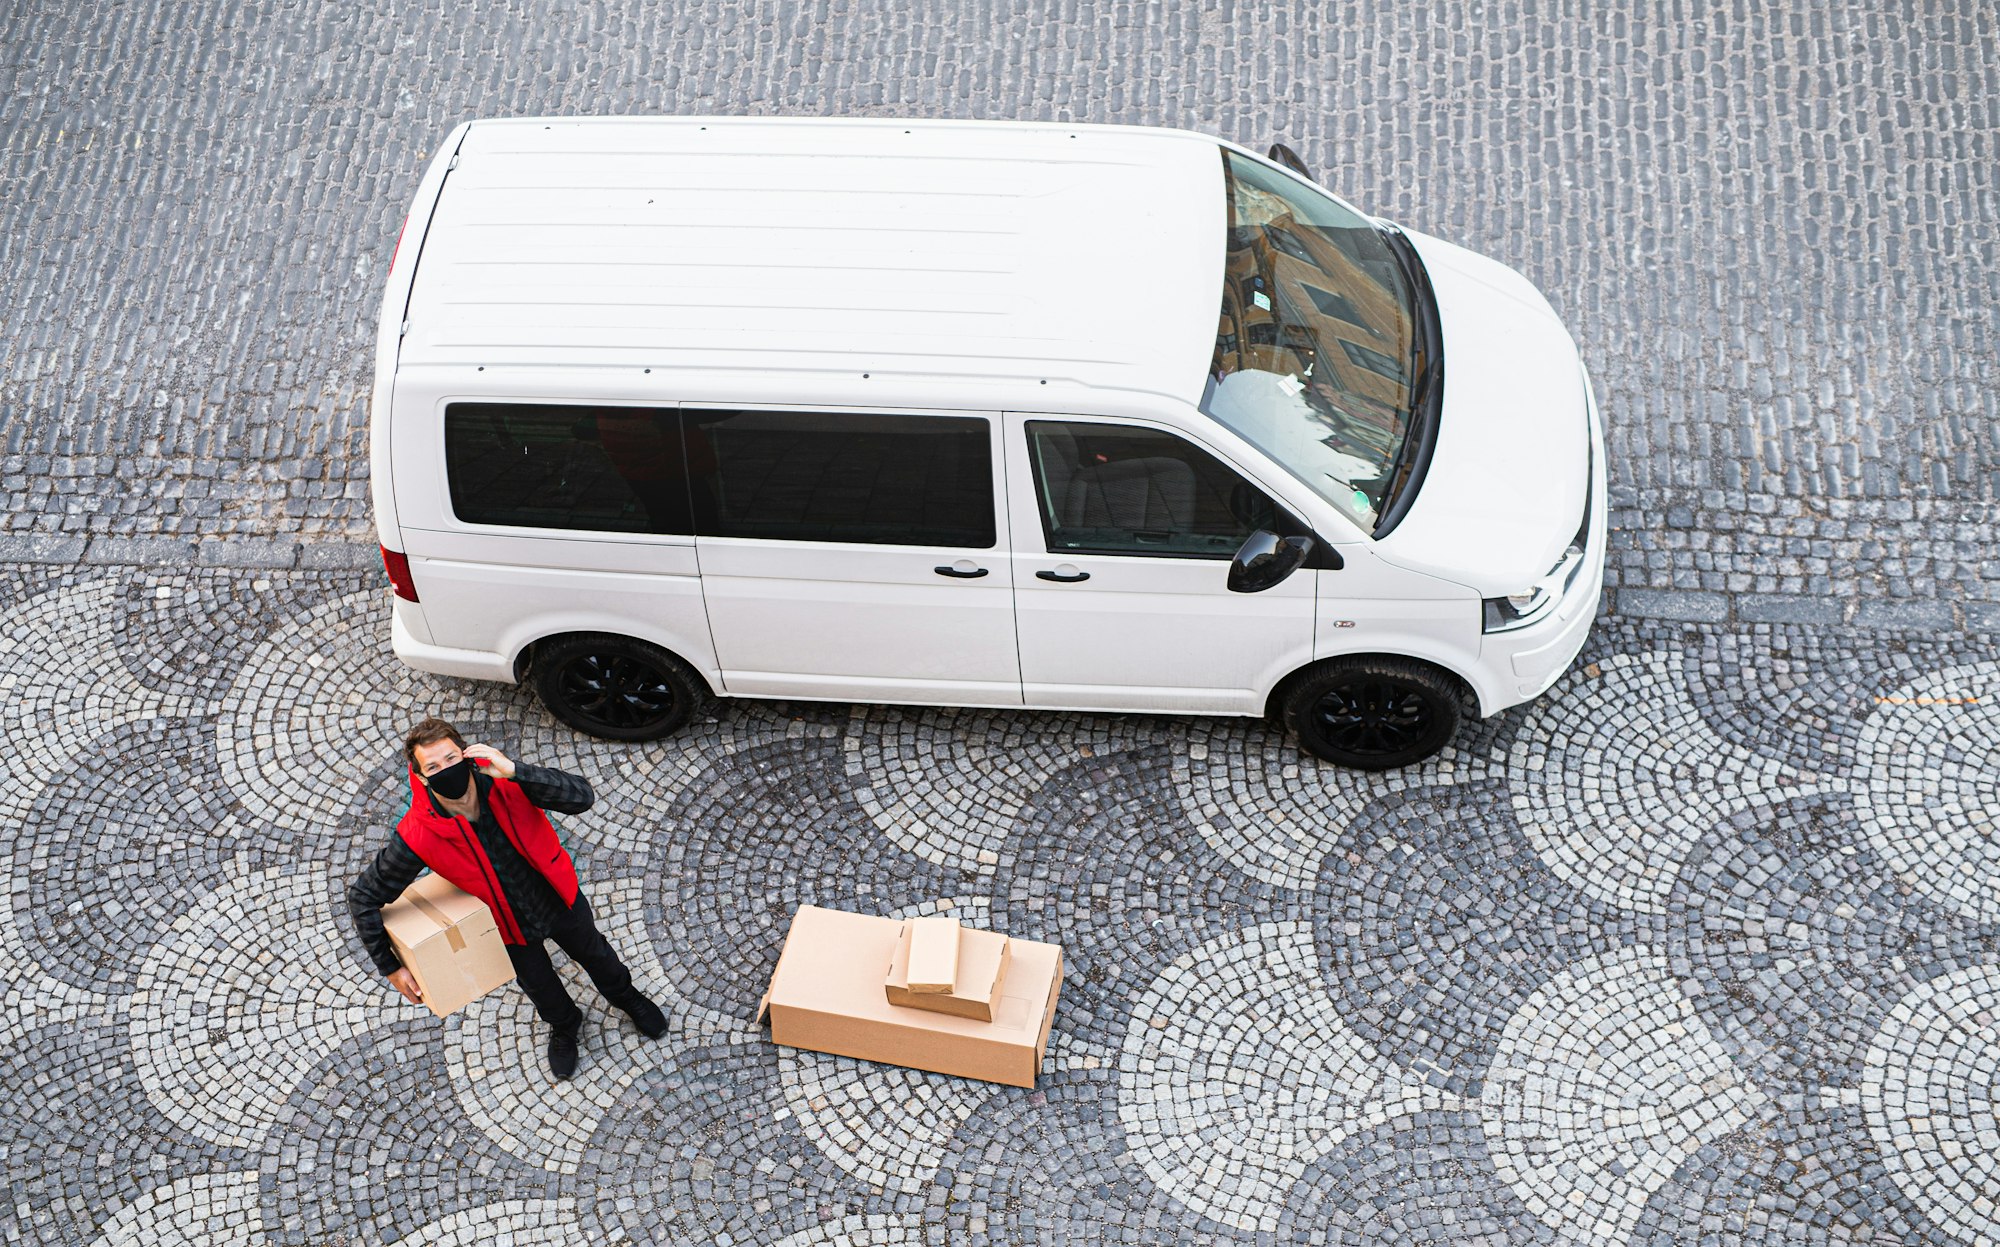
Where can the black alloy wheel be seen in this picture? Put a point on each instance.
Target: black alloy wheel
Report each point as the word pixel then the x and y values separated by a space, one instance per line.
pixel 616 688
pixel 1373 714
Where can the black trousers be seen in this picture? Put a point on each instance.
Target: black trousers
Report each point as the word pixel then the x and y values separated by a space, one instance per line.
pixel 576 932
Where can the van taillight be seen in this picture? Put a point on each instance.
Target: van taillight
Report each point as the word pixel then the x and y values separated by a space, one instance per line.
pixel 398 567
pixel 399 242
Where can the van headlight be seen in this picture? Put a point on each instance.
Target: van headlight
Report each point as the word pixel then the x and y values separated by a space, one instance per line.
pixel 1533 604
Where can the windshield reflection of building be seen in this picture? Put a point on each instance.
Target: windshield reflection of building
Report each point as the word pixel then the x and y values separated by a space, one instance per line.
pixel 1282 332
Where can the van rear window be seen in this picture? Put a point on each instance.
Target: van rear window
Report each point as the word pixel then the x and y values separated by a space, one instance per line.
pixel 822 476
pixel 784 476
pixel 603 469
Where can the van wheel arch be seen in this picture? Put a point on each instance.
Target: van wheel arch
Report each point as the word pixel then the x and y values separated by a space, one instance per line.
pixel 1372 711
pixel 665 692
pixel 524 661
pixel 1274 705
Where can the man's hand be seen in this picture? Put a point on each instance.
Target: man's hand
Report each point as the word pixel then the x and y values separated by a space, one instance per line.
pixel 403 981
pixel 497 763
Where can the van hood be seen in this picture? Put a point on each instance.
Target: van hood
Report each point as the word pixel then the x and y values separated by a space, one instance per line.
pixel 1510 472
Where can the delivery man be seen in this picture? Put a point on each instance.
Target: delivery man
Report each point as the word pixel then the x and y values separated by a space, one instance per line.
pixel 476 819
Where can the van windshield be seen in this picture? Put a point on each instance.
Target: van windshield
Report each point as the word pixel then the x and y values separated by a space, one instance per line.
pixel 1320 356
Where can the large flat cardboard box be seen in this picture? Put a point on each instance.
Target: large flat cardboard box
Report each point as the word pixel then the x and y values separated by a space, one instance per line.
pixel 450 943
pixel 932 959
pixel 826 995
pixel 982 968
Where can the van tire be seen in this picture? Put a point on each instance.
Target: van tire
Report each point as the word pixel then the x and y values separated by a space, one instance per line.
pixel 615 687
pixel 1373 712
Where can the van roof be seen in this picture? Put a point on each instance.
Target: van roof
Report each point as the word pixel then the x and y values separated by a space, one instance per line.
pixel 998 251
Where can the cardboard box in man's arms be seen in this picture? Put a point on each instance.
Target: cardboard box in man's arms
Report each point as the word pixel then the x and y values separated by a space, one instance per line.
pixel 448 940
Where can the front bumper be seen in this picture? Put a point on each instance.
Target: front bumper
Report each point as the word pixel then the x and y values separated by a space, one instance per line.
pixel 1536 668
pixel 1536 656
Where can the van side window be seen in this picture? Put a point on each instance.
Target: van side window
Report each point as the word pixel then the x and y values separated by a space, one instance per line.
pixel 603 469
pixel 819 476
pixel 1116 489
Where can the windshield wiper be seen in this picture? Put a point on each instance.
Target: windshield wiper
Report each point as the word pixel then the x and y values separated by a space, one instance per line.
pixel 1413 457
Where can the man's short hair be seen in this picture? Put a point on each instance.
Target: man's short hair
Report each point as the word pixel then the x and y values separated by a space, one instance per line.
pixel 429 732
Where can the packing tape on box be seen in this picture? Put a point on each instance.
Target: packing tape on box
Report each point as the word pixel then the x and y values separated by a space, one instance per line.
pixel 436 915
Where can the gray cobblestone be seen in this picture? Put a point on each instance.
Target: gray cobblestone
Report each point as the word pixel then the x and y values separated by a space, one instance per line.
pixel 248 553
pixel 1982 616
pixel 161 551
pixel 28 549
pixel 1666 604
pixel 1921 616
pixel 1756 222
pixel 1683 952
pixel 1777 608
pixel 340 556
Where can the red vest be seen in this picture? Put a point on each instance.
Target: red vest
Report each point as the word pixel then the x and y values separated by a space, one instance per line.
pixel 450 847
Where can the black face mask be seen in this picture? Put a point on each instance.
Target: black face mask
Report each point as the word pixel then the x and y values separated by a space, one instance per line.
pixel 451 782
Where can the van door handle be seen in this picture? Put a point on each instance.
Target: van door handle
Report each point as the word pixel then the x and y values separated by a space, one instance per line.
pixel 1061 579
pixel 948 570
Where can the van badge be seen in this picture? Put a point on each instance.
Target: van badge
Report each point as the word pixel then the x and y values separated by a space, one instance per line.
pixel 1343 623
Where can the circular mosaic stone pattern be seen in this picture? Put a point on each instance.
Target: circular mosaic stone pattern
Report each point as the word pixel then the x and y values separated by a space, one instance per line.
pixel 81 1138
pixel 757 836
pixel 1618 969
pixel 949 785
pixel 210 1210
pixel 1105 866
pixel 1930 758
pixel 1785 691
pixel 1426 1179
pixel 637 785
pixel 124 833
pixel 1616 777
pixel 1605 1082
pixel 1239 1072
pixel 187 631
pixel 694 1154
pixel 373 1121
pixel 242 997
pixel 890 1127
pixel 1794 943
pixel 1932 1097
pixel 1274 812
pixel 1435 922
pixel 66 688
pixel 1053 1168
pixel 517 1222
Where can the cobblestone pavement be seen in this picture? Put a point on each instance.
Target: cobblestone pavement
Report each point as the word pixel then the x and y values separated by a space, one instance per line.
pixel 1703 947
pixel 1772 227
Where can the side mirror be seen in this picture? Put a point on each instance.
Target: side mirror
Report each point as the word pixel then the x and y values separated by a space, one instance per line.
pixel 1280 154
pixel 1265 559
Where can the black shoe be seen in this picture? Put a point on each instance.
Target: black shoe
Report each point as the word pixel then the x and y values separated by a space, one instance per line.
pixel 562 1054
pixel 645 1015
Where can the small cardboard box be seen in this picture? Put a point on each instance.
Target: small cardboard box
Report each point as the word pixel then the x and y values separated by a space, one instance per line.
pixel 826 995
pixel 448 940
pixel 982 968
pixel 933 955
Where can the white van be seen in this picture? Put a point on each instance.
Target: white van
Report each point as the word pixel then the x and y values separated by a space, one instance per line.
pixel 943 413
